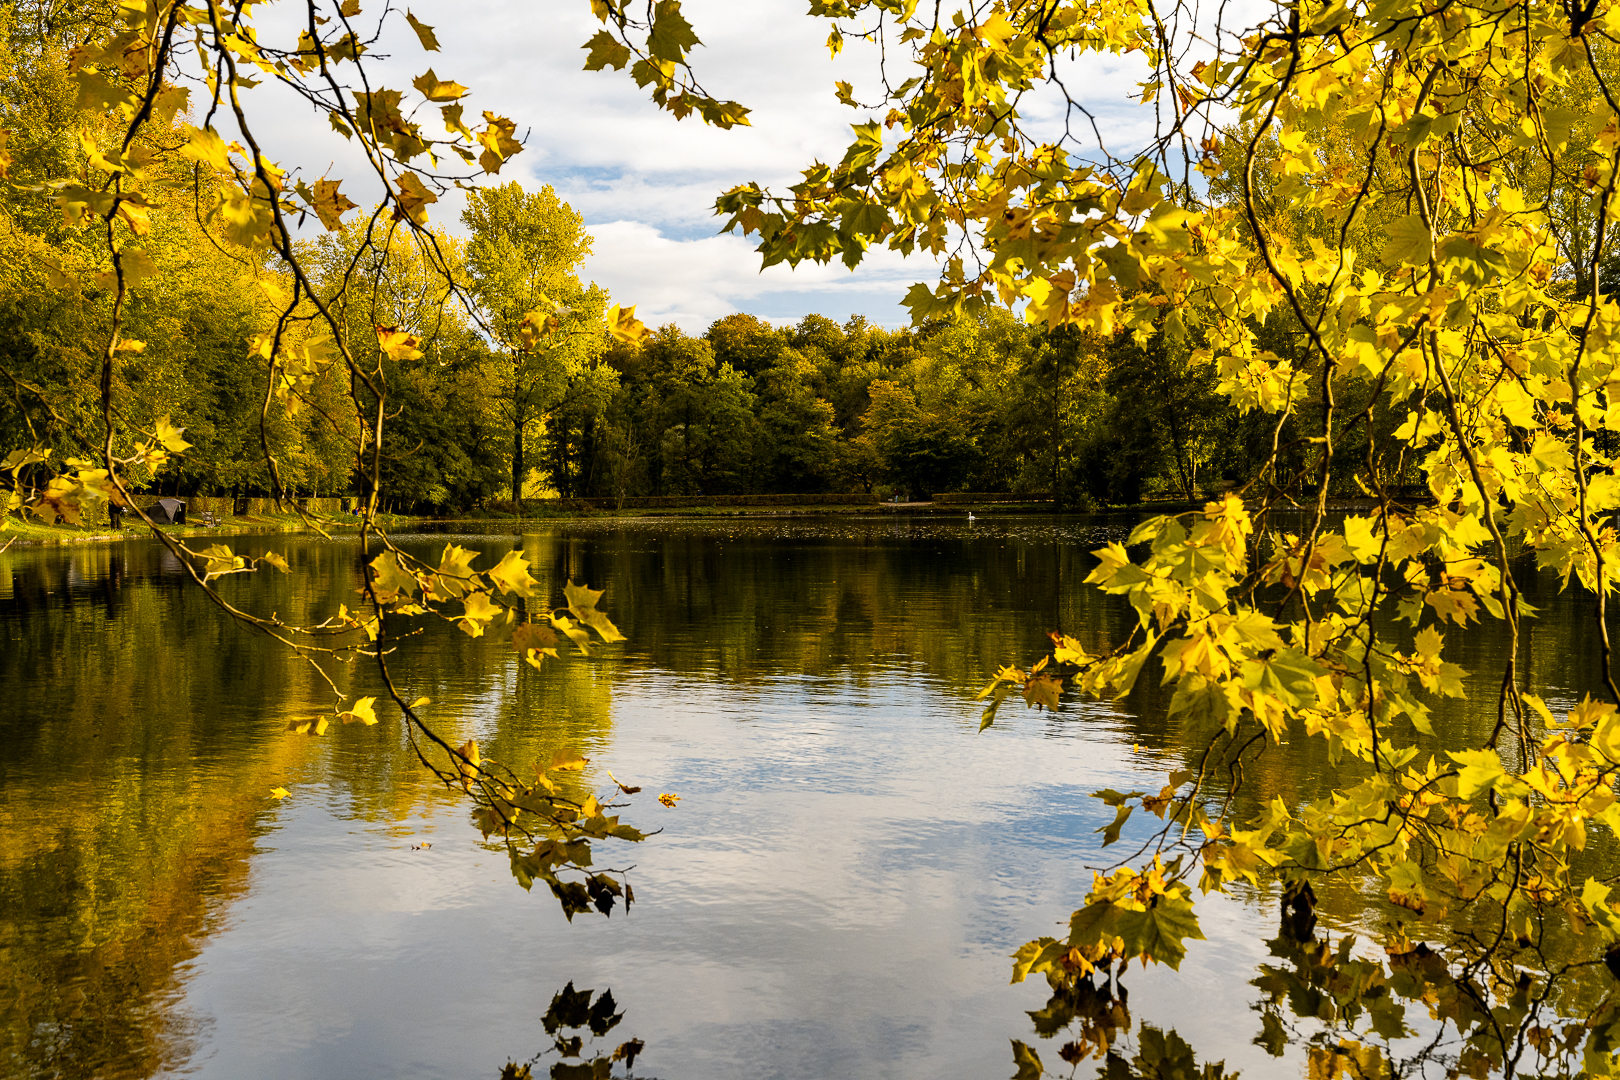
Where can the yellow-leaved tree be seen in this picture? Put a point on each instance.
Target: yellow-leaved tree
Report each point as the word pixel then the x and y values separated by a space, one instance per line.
pixel 133 137
pixel 1389 227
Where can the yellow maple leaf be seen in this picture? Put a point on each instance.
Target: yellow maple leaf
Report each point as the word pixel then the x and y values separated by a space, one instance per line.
pixel 533 641
pixel 133 209
pixel 582 603
pixel 467 761
pixel 398 344
pixel 390 580
pixel 624 326
pixel 455 570
pixel 436 89
pixel 511 575
pixel 424 33
pixel 363 711
pixel 1044 691
pixel 208 148
pixel 476 611
pixel 330 204
pixel 168 436
pixel 413 198
pixel 499 142
pixel 219 559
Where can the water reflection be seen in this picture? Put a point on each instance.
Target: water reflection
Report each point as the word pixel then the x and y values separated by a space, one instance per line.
pixel 577 1026
pixel 1358 1011
pixel 836 894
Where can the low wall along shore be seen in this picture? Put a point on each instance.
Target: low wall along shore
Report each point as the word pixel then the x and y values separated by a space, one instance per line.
pixel 221 506
pixel 225 506
pixel 647 502
pixel 993 497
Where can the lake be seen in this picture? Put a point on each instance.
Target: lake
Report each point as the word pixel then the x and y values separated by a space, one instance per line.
pixel 836 893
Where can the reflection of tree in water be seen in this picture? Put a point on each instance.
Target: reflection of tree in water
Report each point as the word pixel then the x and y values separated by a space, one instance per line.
pixel 579 1029
pixel 1096 1019
pixel 1400 1010
pixel 131 804
pixel 134 799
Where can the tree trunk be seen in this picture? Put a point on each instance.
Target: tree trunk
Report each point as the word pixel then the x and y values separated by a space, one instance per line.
pixel 1057 432
pixel 517 460
pixel 565 477
pixel 686 443
pixel 1182 456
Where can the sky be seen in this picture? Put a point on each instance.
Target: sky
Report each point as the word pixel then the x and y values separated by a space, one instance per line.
pixel 644 182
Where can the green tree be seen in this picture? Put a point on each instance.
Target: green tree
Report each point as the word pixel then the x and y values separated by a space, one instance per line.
pixel 749 344
pixel 1057 402
pixel 695 414
pixel 922 451
pixel 1158 422
pixel 448 446
pixel 797 443
pixel 522 262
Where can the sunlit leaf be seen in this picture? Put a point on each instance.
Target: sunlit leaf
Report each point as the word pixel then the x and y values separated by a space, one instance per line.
pixel 582 604
pixel 435 89
pixel 424 33
pixel 363 711
pixel 330 204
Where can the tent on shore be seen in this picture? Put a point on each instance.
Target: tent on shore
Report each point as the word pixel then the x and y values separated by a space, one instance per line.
pixel 167 512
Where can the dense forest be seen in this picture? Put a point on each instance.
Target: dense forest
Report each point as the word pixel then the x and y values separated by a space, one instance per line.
pixel 977 403
pixel 983 403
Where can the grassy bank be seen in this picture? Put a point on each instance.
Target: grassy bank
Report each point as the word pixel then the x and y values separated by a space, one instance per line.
pixel 31 532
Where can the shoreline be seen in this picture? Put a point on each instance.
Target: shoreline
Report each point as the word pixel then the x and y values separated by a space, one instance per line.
pixel 31 534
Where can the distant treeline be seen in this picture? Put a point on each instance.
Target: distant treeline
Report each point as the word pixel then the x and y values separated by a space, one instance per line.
pixel 982 404
pixel 987 404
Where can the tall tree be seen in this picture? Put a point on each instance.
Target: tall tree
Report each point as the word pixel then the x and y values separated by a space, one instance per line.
pixel 447 443
pixel 522 261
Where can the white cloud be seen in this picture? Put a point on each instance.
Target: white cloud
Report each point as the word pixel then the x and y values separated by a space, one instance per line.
pixel 693 282
pixel 645 182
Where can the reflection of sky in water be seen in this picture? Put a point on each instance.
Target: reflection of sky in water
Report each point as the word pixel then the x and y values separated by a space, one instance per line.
pixel 836 894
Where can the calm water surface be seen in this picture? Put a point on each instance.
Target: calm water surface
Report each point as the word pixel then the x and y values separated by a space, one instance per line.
pixel 835 895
